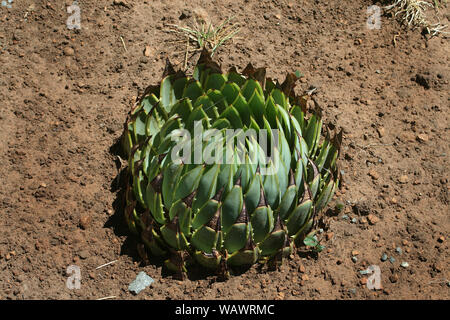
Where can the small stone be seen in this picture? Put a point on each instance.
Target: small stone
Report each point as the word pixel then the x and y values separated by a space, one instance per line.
pixel 304 277
pixel 381 132
pixel 372 219
pixel 301 268
pixel 398 250
pixel 121 3
pixel 7 257
pixel 384 257
pixel 354 220
pixel 405 242
pixel 147 51
pixel 68 51
pixel 84 254
pixel 392 259
pixel 441 239
pixel 363 281
pixel 422 137
pixel 141 282
pixel 354 259
pixel 329 236
pixel 422 80
pixel 355 252
pixel 393 278
pixel 405 264
pixel 85 221
pixel 345 217
pixel 403 179
pixel 374 175
pixel 437 267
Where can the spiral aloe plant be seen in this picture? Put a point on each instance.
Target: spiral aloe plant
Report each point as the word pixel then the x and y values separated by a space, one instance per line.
pixel 246 205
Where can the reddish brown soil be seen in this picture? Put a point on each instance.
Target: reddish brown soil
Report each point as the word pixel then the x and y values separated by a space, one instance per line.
pixel 61 114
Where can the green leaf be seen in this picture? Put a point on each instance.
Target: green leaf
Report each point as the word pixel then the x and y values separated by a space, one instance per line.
pixel 207 186
pixel 271 112
pixel 178 87
pixel 231 207
pixel 219 100
pixel 273 243
pixel 189 182
pixel 154 202
pixel 183 108
pixel 221 124
pixel 198 114
pixel 287 201
pixel 243 258
pixel 310 241
pixel 205 214
pixel 236 78
pixel 215 81
pixel 279 98
pixel 232 115
pixel 204 239
pixel 193 90
pixel 167 94
pixel 242 107
pixel 298 217
pixel 230 92
pixel 272 190
pixel 236 238
pixel 180 210
pixel 252 196
pixel 170 177
pixel 250 87
pixel 256 105
pixel 208 106
pixel 262 223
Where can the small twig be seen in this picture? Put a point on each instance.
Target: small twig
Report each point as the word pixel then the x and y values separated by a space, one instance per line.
pixel 105 298
pixel 375 145
pixel 395 37
pixel 187 53
pixel 123 43
pixel 438 281
pixel 106 264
